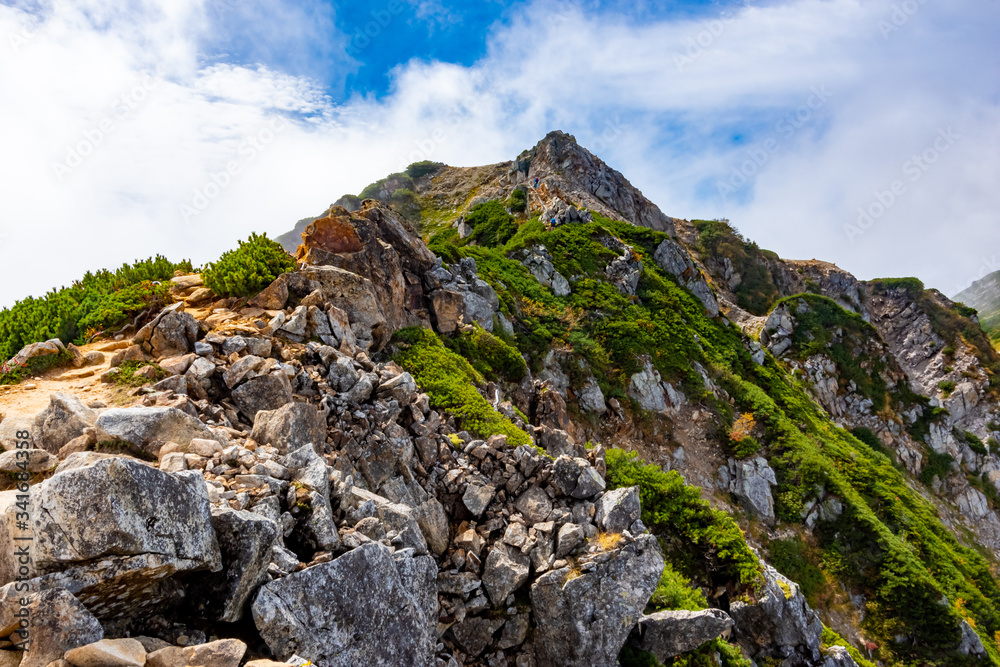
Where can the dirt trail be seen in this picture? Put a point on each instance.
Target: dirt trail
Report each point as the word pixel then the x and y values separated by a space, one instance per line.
pixel 32 395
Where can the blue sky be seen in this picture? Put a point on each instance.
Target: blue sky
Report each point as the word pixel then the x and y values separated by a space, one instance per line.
pixel 179 126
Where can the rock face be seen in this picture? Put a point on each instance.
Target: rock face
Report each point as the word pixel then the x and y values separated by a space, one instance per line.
pixel 780 625
pixel 570 172
pixel 586 619
pixel 666 634
pixel 751 481
pixel 375 244
pixel 539 262
pixel 336 612
pixel 675 260
pixel 245 540
pixel 458 295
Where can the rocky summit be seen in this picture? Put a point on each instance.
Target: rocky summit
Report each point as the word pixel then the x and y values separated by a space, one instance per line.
pixel 504 415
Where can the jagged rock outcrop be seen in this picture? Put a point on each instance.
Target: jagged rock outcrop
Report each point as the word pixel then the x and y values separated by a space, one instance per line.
pixel 570 172
pixel 586 619
pixel 780 624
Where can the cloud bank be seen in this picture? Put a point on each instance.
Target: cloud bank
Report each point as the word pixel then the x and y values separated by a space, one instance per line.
pixel 864 133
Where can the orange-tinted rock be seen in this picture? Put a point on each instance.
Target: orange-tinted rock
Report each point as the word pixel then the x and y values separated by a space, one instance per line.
pixel 331 234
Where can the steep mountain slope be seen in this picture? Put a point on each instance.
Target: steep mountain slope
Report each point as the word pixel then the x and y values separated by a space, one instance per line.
pixel 561 429
pixel 984 296
pixel 928 403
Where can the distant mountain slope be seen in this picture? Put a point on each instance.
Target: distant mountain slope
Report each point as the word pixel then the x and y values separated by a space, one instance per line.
pixel 984 296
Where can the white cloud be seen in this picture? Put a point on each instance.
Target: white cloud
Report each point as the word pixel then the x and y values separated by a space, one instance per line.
pixel 657 108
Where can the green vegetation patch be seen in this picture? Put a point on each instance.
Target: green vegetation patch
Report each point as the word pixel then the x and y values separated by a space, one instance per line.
pixel 489 355
pixel 757 291
pixel 125 374
pixel 701 541
pixel 248 269
pixel 35 366
pixel 99 301
pixel 451 383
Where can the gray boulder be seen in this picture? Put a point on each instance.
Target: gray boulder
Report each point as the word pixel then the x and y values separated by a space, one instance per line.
pixel 363 608
pixel 170 334
pixel 266 392
pixel 115 532
pixel 290 427
pixel 585 620
pixel 617 510
pixel 64 419
pixel 751 481
pixel 141 426
pixel 506 570
pixel 666 634
pixel 837 656
pixel 245 541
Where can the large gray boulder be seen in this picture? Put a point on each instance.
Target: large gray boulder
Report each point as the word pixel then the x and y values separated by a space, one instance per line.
pixel 289 427
pixel 58 622
pixel 141 426
pixel 170 334
pixel 363 608
pixel 114 534
pixel 245 541
pixel 585 620
pixel 780 624
pixel 265 392
pixel 64 419
pixel 666 634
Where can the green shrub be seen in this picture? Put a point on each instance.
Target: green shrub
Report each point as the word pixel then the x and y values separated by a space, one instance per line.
pixel 244 272
pixel 972 440
pixel 946 386
pixel 418 169
pixel 35 366
pixel 791 558
pixel 101 300
pixel 757 291
pixel 491 225
pixel 744 448
pixel 935 465
pixel 690 530
pixel 451 382
pixel 488 354
pixel 518 202
pixel 674 591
